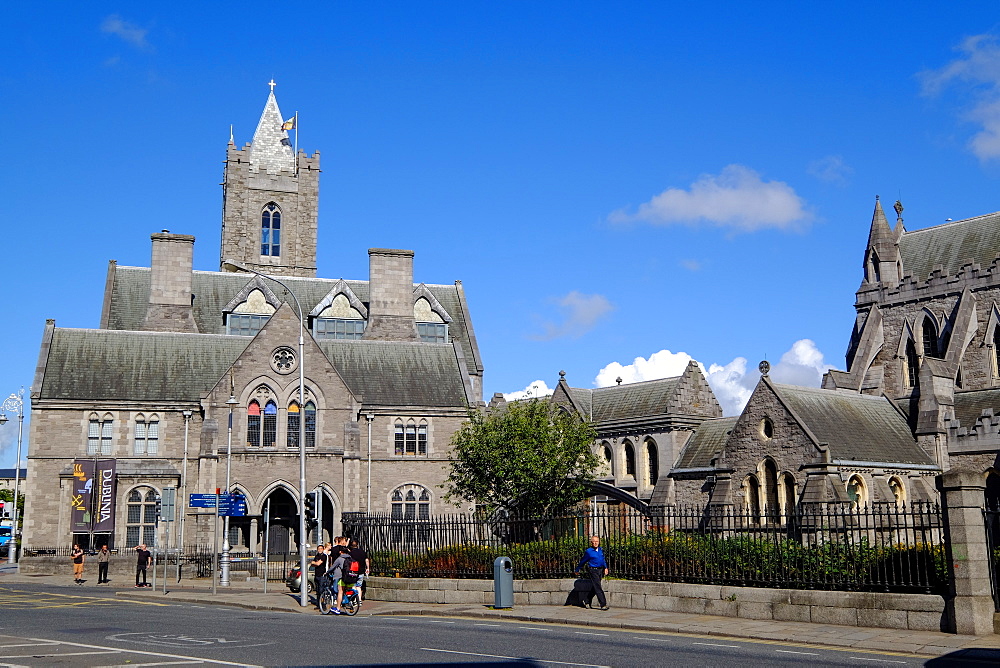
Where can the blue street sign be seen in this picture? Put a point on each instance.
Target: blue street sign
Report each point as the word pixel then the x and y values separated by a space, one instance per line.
pixel 201 501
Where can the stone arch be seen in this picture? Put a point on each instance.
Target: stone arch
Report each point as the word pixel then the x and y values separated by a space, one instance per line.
pixel 651 461
pixel 628 459
pixel 857 491
pixel 767 472
pixel 751 498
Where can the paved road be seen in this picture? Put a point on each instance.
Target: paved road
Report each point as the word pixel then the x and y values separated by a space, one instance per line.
pixel 44 625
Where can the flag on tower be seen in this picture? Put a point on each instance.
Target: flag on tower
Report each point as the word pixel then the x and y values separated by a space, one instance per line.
pixel 289 124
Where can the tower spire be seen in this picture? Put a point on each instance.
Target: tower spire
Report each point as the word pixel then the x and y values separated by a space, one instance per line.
pixel 882 258
pixel 271 150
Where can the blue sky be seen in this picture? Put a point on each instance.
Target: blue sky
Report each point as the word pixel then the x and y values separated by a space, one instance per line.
pixel 619 186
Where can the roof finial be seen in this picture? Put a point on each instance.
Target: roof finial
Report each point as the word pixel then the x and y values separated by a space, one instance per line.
pixel 764 367
pixel 618 380
pixel 272 84
pixel 898 206
pixel 562 375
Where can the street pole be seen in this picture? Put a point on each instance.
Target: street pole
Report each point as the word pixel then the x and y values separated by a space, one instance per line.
pixel 15 401
pixel 183 503
pixel 267 534
pixel 304 590
pixel 224 578
pixel 215 542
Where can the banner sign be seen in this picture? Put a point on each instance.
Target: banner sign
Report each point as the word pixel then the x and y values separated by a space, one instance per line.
pixel 93 495
pixel 104 494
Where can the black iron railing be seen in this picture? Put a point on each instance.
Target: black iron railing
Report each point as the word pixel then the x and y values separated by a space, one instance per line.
pixel 991 515
pixel 885 547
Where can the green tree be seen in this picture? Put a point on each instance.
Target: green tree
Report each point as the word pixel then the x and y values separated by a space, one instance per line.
pixel 531 457
pixel 7 496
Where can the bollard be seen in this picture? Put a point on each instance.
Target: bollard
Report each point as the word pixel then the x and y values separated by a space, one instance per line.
pixel 503 583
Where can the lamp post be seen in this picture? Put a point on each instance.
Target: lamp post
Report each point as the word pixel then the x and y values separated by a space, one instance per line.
pixel 14 402
pixel 184 477
pixel 303 589
pixel 224 578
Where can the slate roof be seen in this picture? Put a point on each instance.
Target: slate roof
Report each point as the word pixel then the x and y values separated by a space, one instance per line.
pixel 9 473
pixel 214 290
pixel 855 426
pixel 395 373
pixel 707 440
pixel 110 365
pixel 951 245
pixel 621 402
pixel 970 405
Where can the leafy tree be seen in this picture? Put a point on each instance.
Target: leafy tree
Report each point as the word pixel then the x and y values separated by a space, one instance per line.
pixel 7 496
pixel 529 457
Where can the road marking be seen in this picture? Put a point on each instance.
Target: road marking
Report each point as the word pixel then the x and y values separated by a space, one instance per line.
pixel 533 628
pixel 30 644
pixel 714 644
pixel 861 658
pixel 115 650
pixel 788 651
pixel 438 621
pixel 587 633
pixel 513 658
pixel 39 656
pixel 160 663
pixel 498 625
pixel 656 639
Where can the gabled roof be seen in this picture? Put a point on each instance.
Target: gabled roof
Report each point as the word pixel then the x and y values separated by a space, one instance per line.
pixel 853 426
pixel 620 402
pixel 709 438
pixel 213 290
pixel 109 365
pixel 951 245
pixel 397 373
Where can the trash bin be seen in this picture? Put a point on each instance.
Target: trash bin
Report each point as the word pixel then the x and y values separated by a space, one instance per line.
pixel 503 583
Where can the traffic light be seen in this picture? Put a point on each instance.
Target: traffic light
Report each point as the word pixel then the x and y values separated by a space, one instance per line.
pixel 311 510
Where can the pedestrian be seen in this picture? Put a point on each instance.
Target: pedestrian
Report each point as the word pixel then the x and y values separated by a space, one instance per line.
pixel 364 562
pixel 341 563
pixel 103 559
pixel 77 557
pixel 597 568
pixel 143 559
pixel 319 564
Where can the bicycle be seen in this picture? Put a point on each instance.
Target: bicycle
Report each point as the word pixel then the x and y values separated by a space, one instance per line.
pixel 350 603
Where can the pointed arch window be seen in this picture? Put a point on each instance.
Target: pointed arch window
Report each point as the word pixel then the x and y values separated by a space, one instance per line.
pixel 629 459
pixel 270 424
pixel 652 462
pixel 608 458
pixel 929 332
pixel 912 365
pixel 996 352
pixel 253 424
pixel 292 426
pixel 411 502
pixel 769 472
pixel 310 416
pixel 857 493
pixel 751 496
pixel 397 505
pixel 270 230
pixel 99 436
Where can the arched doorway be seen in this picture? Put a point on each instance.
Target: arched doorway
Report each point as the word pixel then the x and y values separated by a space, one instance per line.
pixel 283 525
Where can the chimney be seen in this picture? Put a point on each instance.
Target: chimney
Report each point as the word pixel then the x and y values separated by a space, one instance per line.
pixel 390 300
pixel 170 296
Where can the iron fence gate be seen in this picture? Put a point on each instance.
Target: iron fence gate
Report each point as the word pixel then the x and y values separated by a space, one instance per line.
pixel 991 515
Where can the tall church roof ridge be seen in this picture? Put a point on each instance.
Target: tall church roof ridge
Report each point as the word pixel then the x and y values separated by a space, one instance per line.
pixel 270 149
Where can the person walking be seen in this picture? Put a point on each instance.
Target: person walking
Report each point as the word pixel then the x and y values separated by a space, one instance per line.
pixel 103 560
pixel 593 560
pixel 143 559
pixel 319 564
pixel 364 562
pixel 76 556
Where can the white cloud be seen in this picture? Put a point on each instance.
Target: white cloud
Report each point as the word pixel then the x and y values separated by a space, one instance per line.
pixel 732 383
pixel 978 67
pixel 580 314
pixel 691 265
pixel 536 388
pixel 130 32
pixel 737 198
pixel 831 169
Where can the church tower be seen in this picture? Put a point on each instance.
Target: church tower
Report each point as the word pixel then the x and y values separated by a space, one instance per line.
pixel 270 201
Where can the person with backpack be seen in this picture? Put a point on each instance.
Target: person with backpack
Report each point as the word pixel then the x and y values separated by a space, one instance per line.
pixel 341 568
pixel 362 562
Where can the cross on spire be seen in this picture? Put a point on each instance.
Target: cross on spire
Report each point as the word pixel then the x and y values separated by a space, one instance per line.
pixel 272 84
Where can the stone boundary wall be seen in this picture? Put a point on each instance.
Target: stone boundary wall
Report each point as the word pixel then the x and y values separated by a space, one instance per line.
pixel 915 612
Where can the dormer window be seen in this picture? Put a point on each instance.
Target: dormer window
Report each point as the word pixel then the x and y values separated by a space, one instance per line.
pixel 433 332
pixel 245 324
pixel 270 230
pixel 338 328
pixel 339 316
pixel 431 318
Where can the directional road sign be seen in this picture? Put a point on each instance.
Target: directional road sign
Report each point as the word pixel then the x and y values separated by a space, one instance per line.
pixel 201 501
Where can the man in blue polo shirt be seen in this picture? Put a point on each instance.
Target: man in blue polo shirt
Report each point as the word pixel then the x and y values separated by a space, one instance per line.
pixel 597 568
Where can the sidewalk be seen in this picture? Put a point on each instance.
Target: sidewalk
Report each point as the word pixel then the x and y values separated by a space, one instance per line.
pixel 279 599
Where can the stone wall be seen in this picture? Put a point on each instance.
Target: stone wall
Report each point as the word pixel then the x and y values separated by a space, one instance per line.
pixel 915 612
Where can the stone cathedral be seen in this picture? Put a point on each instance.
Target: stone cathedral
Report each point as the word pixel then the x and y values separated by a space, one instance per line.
pixel 189 366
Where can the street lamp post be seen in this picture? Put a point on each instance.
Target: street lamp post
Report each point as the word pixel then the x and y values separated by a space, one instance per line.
pixel 226 547
pixel 14 402
pixel 368 506
pixel 184 477
pixel 304 572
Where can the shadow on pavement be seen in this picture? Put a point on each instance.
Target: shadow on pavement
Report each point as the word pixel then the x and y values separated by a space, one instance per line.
pixel 973 656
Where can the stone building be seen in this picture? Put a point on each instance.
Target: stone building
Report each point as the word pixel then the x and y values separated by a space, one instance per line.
pixel 190 365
